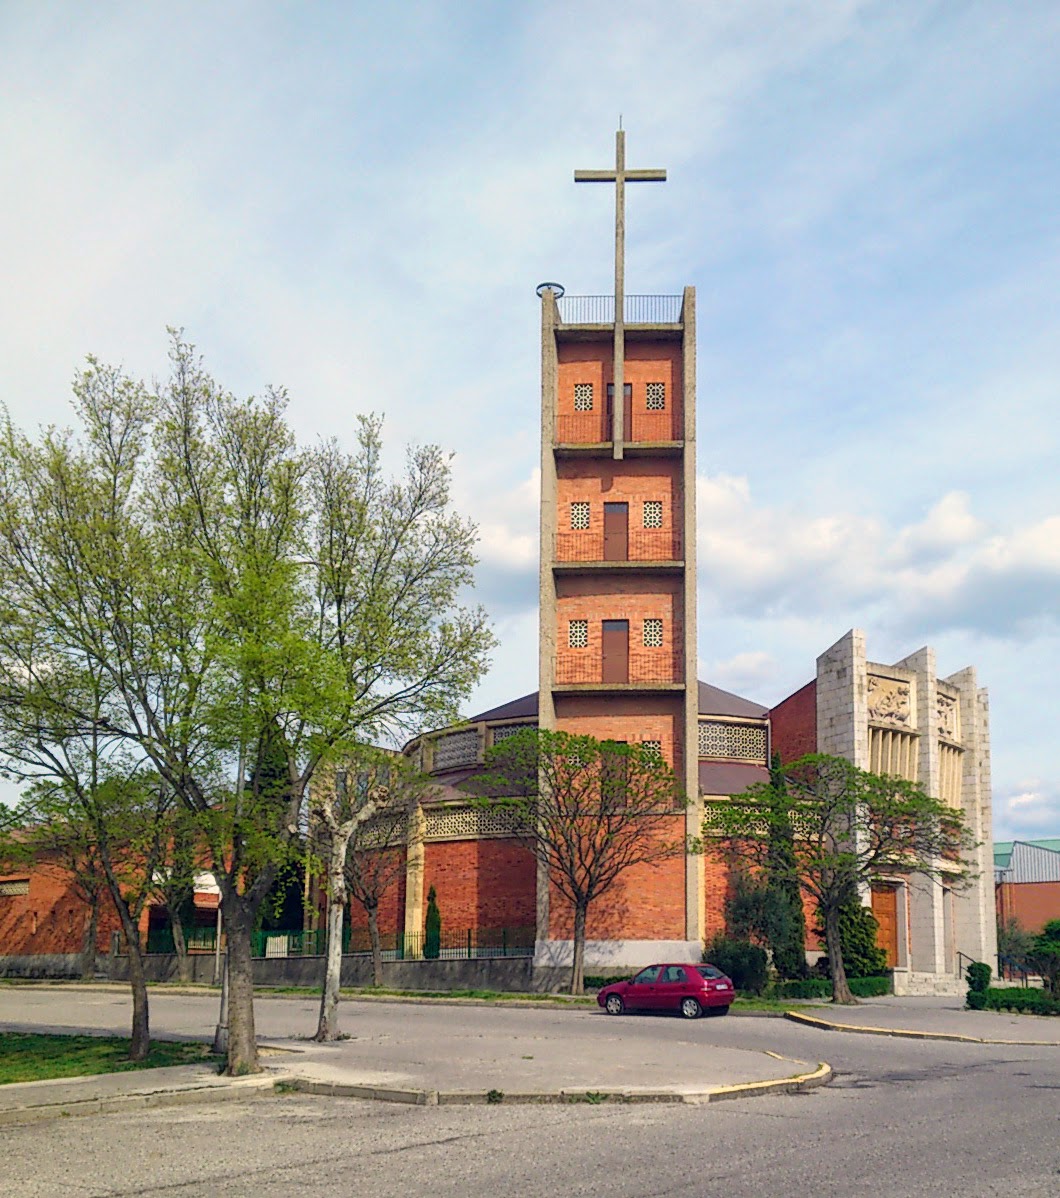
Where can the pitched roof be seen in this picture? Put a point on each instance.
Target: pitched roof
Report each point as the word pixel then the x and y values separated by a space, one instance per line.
pixel 729 777
pixel 525 708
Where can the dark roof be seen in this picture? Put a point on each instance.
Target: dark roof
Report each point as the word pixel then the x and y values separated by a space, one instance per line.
pixel 714 701
pixel 524 708
pixel 729 777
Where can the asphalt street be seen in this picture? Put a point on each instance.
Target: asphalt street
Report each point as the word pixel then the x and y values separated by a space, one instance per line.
pixel 902 1118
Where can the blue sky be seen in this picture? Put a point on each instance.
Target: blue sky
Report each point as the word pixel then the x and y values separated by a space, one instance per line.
pixel 356 202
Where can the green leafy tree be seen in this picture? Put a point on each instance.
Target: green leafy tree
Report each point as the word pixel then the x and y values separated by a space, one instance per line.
pixel 594 809
pixel 858 928
pixel 1013 941
pixel 251 608
pixel 1045 955
pixel 848 827
pixel 360 797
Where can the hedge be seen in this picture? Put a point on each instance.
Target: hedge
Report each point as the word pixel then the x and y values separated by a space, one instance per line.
pixel 822 988
pixel 1028 1002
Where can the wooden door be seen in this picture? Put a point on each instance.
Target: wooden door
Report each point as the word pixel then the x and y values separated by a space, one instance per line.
pixel 616 532
pixel 885 909
pixel 615 651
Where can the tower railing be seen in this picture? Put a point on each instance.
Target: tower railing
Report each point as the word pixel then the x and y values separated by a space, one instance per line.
pixel 594 428
pixel 638 309
pixel 645 666
pixel 642 545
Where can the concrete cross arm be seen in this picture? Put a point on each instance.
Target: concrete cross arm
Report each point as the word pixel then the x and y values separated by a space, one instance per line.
pixel 644 176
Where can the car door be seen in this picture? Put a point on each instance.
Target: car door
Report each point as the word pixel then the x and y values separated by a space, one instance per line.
pixel 671 987
pixel 641 992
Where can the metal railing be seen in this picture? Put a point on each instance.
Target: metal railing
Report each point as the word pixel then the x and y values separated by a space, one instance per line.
pixel 638 309
pixel 196 940
pixel 452 945
pixel 643 545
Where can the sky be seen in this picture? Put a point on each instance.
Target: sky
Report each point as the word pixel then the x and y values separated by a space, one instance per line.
pixel 356 202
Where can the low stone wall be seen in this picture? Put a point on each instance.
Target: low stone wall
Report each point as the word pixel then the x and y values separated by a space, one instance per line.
pixel 41 965
pixel 478 973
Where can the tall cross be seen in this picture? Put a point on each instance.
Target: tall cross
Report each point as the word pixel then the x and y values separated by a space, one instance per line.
pixel 620 177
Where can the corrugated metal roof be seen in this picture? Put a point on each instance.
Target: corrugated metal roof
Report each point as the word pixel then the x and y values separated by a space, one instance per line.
pixel 1028 861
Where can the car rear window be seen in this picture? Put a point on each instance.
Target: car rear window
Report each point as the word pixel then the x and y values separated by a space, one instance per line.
pixel 709 971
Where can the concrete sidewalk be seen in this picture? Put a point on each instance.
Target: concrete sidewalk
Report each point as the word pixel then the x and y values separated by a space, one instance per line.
pixel 936 1018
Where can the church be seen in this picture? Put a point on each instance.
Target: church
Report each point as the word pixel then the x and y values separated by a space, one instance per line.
pixel 617 658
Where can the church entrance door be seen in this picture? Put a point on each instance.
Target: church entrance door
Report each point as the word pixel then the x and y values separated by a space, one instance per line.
pixel 615 651
pixel 885 909
pixel 616 532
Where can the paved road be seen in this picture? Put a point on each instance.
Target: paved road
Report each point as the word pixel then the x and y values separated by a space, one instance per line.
pixel 903 1118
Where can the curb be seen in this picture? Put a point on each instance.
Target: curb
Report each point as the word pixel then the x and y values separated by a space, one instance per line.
pixel 800 1083
pixel 117 1103
pixel 906 1033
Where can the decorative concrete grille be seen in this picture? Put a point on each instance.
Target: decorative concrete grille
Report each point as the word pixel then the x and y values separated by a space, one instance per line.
pixel 583 397
pixel 653 634
pixel 656 397
pixel 579 515
pixel 458 748
pixel 578 634
pixel 500 734
pixel 653 513
pixel 894 752
pixel 652 749
pixel 14 888
pixel 466 823
pixel 381 831
pixel 739 742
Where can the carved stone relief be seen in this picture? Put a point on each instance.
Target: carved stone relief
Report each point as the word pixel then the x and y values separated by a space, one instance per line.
pixel 889 702
pixel 949 721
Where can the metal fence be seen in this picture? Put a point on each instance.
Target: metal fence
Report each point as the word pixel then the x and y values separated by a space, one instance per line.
pixel 638 309
pixel 197 940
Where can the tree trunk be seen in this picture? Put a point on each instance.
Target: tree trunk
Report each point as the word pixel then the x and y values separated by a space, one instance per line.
pixel 242 1041
pixel 328 1024
pixel 577 973
pixel 377 946
pixel 140 1039
pixel 840 988
pixel 180 945
pixel 88 947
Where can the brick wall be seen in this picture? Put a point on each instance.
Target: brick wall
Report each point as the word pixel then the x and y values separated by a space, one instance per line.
pixel 391 905
pixel 488 883
pixel 793 724
pixel 646 362
pixel 52 917
pixel 1032 904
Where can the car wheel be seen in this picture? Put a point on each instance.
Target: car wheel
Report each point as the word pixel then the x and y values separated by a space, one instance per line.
pixel 690 1008
pixel 614 1005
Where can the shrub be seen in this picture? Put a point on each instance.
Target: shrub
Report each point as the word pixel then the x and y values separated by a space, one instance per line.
pixel 803 988
pixel 432 938
pixel 1030 1002
pixel 978 975
pixel 599 981
pixel 976 1000
pixel 873 987
pixel 743 961
pixel 862 957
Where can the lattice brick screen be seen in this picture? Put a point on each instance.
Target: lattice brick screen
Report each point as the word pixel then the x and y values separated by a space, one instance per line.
pixel 741 742
pixel 579 515
pixel 578 634
pixel 583 397
pixel 655 398
pixel 458 748
pixel 653 513
pixel 653 633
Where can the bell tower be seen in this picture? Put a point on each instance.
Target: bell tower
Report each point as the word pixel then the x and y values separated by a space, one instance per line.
pixel 617 638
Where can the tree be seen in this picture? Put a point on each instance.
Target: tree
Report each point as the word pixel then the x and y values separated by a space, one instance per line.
pixel 367 791
pixel 432 929
pixel 593 809
pixel 1045 955
pixel 182 852
pixel 848 828
pixel 376 859
pixel 252 607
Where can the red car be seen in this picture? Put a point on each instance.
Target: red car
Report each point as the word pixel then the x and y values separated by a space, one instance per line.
pixel 690 989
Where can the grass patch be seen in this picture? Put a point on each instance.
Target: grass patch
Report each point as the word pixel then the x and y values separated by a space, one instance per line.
pixel 27 1057
pixel 767 1004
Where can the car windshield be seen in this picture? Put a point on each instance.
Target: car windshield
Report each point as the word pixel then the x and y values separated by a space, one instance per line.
pixel 710 971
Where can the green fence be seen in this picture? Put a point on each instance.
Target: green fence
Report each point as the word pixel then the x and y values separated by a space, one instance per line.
pixel 198 940
pixel 398 946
